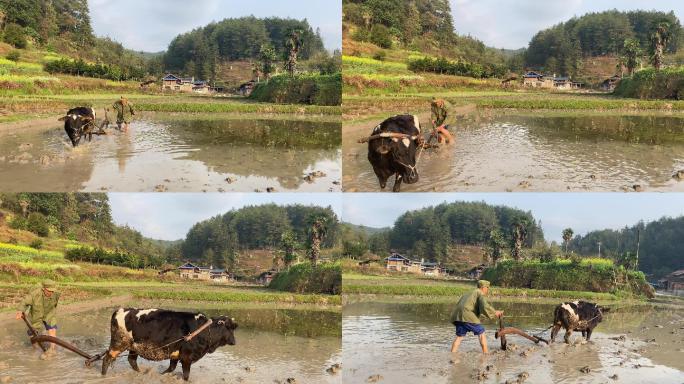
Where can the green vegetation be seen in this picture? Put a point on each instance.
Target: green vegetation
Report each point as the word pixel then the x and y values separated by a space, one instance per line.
pixel 560 49
pixel 596 275
pixel 457 68
pixel 659 248
pixel 241 296
pixel 653 84
pixel 301 89
pixel 306 278
pixel 100 71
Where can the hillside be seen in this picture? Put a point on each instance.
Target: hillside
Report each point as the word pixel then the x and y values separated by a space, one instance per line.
pixel 565 47
pixel 660 248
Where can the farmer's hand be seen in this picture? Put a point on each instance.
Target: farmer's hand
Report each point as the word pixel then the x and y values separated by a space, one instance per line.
pixel 498 313
pixel 18 316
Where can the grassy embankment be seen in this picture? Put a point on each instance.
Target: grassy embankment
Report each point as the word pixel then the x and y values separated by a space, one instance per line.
pixel 374 89
pixel 304 277
pixel 28 92
pixel 409 287
pixel 22 267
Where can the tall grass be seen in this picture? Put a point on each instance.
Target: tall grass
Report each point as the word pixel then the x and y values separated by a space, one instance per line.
pixel 305 278
pixel 242 297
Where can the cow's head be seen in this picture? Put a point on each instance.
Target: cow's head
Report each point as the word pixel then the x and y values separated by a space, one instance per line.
pixel 404 152
pixel 73 125
pixel 226 327
pixel 600 311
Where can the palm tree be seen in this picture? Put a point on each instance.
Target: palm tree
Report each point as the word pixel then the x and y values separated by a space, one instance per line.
pixel 567 236
pixel 293 44
pixel 632 57
pixel 316 235
pixel 519 232
pixel 659 40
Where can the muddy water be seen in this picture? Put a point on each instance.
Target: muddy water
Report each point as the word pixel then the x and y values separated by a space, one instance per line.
pixel 183 155
pixel 271 345
pixel 410 343
pixel 509 151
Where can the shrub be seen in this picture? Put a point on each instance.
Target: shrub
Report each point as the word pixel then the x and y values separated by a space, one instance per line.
pixel 301 89
pixel 37 223
pixel 15 36
pixel 380 55
pixel 651 84
pixel 103 256
pixel 457 68
pixel 380 36
pixel 13 56
pixel 36 244
pixel 305 278
pixel 19 222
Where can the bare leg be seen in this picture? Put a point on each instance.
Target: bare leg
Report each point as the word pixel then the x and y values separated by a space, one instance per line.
pixel 445 135
pixel 456 343
pixel 53 333
pixel 483 343
pixel 172 366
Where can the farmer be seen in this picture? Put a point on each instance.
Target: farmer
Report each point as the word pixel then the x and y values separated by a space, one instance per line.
pixel 124 112
pixel 41 307
pixel 466 315
pixel 439 108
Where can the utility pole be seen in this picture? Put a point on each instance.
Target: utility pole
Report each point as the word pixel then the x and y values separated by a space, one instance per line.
pixel 636 264
pixel 599 245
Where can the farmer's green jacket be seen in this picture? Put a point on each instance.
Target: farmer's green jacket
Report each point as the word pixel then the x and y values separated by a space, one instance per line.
pixel 123 112
pixel 439 114
pixel 471 306
pixel 39 307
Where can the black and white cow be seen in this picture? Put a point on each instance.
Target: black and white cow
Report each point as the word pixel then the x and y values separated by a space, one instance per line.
pixel 153 334
pixel 395 155
pixel 577 316
pixel 79 122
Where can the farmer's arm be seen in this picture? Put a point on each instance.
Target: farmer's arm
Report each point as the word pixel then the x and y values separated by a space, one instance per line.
pixel 485 308
pixel 26 302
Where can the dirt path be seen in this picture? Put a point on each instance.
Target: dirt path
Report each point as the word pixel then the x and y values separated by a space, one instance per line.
pixel 78 307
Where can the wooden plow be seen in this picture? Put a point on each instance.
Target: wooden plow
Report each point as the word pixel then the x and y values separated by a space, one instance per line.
pixel 503 331
pixel 40 339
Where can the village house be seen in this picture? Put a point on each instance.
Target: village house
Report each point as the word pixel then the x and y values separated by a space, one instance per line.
pixel 171 82
pixel 399 263
pixel 610 83
pixel 265 278
pixel 674 283
pixel 194 272
pixel 537 80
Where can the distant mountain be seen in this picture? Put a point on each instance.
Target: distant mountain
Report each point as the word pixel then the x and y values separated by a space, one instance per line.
pixel 368 231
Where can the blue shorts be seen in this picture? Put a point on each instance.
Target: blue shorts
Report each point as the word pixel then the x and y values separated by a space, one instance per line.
pixel 463 328
pixel 47 328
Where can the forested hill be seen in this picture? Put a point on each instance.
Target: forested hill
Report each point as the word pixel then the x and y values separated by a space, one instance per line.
pixel 242 38
pixel 561 48
pixel 218 240
pixel 421 25
pixel 660 247
pixel 62 26
pixel 430 232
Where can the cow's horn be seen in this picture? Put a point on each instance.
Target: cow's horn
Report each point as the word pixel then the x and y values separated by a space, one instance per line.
pixel 232 319
pixel 63 118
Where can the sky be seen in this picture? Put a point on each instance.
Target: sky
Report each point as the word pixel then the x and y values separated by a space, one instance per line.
pixel 582 212
pixel 150 25
pixel 170 216
pixel 511 24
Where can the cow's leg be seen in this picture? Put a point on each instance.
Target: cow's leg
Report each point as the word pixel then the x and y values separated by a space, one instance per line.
pixel 589 331
pixel 568 333
pixel 186 369
pixel 108 358
pixel 172 366
pixel 133 361
pixel 397 183
pixel 554 332
pixel 584 333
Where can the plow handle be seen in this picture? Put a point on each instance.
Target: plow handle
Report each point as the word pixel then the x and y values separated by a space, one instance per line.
pixel 33 331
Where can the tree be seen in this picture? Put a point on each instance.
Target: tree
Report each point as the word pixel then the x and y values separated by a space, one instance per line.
pixel 632 55
pixel 495 246
pixel 659 40
pixel 267 58
pixel 289 245
pixel 567 236
pixel 316 235
pixel 293 45
pixel 518 237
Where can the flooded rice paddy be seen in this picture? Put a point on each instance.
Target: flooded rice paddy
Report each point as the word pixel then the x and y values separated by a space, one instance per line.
pixel 272 345
pixel 410 343
pixel 515 151
pixel 162 153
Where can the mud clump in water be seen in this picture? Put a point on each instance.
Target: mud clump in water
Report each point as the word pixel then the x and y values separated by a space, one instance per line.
pixel 373 378
pixel 334 369
pixel 312 176
pixel 585 369
pixel 614 377
pixel 619 338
